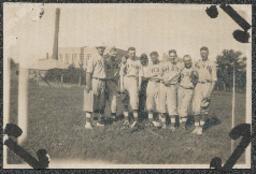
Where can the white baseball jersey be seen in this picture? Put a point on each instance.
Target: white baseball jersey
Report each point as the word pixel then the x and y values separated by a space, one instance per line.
pixel 206 71
pixel 94 100
pixel 131 71
pixel 168 93
pixel 153 73
pixel 96 66
pixel 133 68
pixel 170 72
pixel 185 91
pixel 186 78
pixel 206 75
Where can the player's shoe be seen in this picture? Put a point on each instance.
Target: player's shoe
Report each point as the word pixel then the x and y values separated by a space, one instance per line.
pixel 199 131
pixel 183 125
pixel 126 124
pixel 114 117
pixel 172 128
pixel 135 123
pixel 164 126
pixel 156 124
pixel 88 125
pixel 100 123
pixel 195 130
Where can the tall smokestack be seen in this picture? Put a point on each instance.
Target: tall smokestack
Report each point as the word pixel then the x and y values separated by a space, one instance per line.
pixel 56 35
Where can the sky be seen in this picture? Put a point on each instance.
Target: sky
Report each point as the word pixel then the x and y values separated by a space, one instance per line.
pixel 148 27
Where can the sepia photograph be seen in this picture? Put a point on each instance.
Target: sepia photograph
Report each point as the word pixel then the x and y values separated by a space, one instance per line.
pixel 125 85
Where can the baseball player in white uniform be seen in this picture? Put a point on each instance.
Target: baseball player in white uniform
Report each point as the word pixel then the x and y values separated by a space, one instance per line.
pixel 171 70
pixel 207 78
pixel 130 74
pixel 188 80
pixel 112 65
pixel 94 94
pixel 153 73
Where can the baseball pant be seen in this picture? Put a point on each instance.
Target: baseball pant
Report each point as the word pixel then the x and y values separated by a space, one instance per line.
pixel 111 92
pixel 184 101
pixel 168 99
pixel 131 87
pixel 201 92
pixel 94 100
pixel 152 96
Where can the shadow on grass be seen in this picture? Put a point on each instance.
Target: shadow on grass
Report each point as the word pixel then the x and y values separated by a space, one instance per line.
pixel 209 123
pixel 212 121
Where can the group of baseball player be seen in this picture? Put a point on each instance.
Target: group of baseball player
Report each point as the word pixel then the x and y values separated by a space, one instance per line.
pixel 164 90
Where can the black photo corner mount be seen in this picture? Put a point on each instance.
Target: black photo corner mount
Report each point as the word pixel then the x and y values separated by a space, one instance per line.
pixel 11 133
pixel 239 35
pixel 242 131
pixel 215 162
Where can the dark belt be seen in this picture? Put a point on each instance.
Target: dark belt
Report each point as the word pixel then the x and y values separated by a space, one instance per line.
pixel 132 76
pixel 96 78
pixel 204 82
pixel 168 84
pixel 185 87
pixel 156 81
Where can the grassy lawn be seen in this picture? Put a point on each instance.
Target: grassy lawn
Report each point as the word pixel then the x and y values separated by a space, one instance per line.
pixel 56 124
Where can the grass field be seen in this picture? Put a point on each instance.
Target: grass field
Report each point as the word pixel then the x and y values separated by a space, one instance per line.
pixel 56 124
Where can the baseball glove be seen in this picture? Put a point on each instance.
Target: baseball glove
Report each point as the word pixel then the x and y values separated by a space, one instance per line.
pixel 205 103
pixel 194 78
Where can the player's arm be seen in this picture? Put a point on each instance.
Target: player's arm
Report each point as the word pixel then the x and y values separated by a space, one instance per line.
pixel 122 74
pixel 84 69
pixel 117 71
pixel 194 77
pixel 181 75
pixel 89 72
pixel 213 80
pixel 173 77
pixel 162 75
pixel 140 76
pixel 88 85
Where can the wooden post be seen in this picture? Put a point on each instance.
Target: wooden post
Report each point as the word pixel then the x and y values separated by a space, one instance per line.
pixel 6 95
pixel 233 105
pixel 23 103
pixel 80 79
pixel 61 80
pixel 37 78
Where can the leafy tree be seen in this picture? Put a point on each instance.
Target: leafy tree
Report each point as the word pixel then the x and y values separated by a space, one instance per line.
pixel 228 60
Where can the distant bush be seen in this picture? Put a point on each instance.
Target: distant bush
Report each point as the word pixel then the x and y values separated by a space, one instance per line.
pixel 70 75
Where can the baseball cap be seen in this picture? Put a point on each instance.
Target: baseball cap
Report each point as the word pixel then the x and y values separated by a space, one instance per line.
pixel 102 45
pixel 187 58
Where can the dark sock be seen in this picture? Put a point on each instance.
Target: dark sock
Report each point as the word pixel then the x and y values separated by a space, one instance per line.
pixel 113 115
